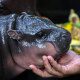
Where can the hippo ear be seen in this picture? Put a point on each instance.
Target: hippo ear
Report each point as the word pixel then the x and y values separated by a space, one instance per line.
pixel 14 34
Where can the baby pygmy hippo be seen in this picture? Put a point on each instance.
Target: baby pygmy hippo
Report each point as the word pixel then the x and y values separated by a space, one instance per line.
pixel 25 38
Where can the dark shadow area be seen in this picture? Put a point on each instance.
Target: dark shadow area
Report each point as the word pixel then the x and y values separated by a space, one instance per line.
pixel 58 10
pixel 29 75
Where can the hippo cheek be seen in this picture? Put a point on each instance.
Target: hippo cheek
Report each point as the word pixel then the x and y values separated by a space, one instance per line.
pixel 22 60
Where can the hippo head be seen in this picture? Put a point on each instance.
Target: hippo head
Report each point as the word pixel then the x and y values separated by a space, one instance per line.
pixel 31 52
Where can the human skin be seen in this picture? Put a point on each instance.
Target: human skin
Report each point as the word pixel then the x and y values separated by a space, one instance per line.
pixel 67 65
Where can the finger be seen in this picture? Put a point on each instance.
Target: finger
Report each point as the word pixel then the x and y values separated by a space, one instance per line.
pixel 40 72
pixel 50 69
pixel 36 70
pixel 55 65
pixel 47 64
pixel 56 73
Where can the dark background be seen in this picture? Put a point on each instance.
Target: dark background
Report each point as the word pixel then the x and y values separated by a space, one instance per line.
pixel 58 10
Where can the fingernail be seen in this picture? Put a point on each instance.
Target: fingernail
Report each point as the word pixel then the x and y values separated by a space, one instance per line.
pixel 31 66
pixel 49 57
pixel 44 57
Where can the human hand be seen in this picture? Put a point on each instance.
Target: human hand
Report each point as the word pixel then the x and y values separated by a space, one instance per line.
pixel 69 64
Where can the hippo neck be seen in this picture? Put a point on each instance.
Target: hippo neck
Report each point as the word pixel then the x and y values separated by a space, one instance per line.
pixel 18 6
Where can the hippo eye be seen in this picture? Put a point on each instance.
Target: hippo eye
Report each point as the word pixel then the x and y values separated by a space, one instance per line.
pixel 43 33
pixel 40 35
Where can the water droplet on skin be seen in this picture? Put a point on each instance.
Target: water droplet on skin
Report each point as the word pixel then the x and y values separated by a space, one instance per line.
pixel 41 46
